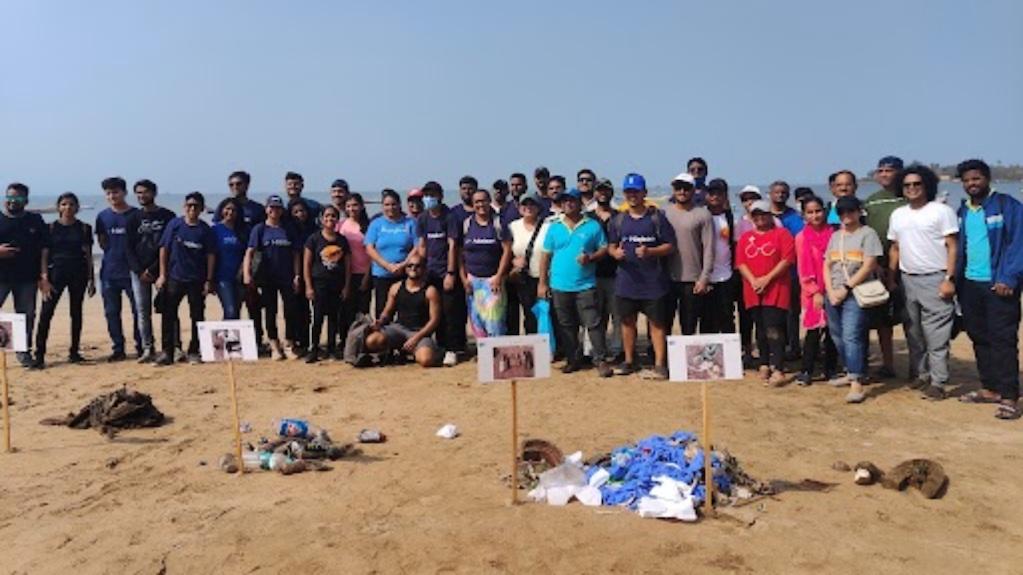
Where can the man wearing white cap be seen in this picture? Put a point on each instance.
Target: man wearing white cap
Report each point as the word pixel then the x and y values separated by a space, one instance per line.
pixel 691 263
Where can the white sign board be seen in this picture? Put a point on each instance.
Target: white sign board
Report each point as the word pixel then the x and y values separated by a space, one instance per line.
pixel 513 357
pixel 708 357
pixel 13 332
pixel 223 340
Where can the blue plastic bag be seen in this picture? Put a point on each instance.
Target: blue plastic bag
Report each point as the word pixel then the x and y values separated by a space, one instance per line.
pixel 544 325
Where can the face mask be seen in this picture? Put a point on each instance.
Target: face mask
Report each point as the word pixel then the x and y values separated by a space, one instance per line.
pixel 430 202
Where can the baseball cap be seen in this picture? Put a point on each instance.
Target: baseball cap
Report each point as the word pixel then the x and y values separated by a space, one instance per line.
pixel 750 190
pixel 572 193
pixel 274 201
pixel 847 204
pixel 415 193
pixel 530 197
pixel 685 178
pixel 604 184
pixel 760 206
pixel 634 181
pixel 890 161
pixel 340 183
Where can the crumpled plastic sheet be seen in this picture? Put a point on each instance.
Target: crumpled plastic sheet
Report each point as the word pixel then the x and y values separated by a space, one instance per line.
pixel 632 469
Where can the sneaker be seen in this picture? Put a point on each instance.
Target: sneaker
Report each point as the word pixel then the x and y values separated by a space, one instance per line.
pixel 804 379
pixel 117 356
pixel 934 393
pixel 604 369
pixel 570 367
pixel 163 359
pixel 263 350
pixel 180 356
pixel 658 373
pixel 839 381
pixel 37 363
pixel 147 356
pixel 625 368
pixel 450 359
pixel 313 356
pixel 194 359
pixel 25 359
pixel 75 357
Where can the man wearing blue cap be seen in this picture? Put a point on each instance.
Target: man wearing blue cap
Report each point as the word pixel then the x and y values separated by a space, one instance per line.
pixel 572 246
pixel 879 207
pixel 639 239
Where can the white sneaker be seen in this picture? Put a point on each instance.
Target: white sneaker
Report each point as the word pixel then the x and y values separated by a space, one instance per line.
pixel 450 359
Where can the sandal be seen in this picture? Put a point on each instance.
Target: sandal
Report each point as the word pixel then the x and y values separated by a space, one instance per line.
pixel 979 397
pixel 1008 412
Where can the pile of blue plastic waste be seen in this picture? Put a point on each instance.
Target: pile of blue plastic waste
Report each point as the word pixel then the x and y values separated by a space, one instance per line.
pixel 632 469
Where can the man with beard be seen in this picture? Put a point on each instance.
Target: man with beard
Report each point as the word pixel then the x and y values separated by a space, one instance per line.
pixel 691 263
pixel 24 239
pixel 989 271
pixel 584 181
pixel 607 268
pixel 518 186
pixel 145 228
pixel 238 188
pixel 467 186
pixel 339 197
pixel 294 183
pixel 697 168
pixel 879 207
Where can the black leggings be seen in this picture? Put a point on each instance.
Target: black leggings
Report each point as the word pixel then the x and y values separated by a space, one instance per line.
pixel 526 289
pixel 75 282
pixel 811 347
pixel 326 303
pixel 268 296
pixel 770 323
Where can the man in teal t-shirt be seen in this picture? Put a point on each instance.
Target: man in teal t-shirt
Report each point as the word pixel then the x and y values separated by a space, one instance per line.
pixel 568 271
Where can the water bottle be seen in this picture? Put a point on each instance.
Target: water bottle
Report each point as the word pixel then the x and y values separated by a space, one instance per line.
pixel 256 460
pixel 293 427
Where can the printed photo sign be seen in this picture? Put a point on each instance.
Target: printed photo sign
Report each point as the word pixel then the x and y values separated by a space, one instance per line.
pixel 223 340
pixel 13 335
pixel 513 357
pixel 711 357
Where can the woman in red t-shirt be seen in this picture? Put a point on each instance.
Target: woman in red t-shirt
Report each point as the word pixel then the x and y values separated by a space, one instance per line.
pixel 763 256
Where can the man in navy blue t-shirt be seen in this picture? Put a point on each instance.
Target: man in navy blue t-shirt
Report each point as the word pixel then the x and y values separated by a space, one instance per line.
pixel 23 240
pixel 440 231
pixel 187 262
pixel 639 239
pixel 115 273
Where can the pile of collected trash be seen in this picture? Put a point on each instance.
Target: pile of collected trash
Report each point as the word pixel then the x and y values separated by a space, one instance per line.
pixel 296 446
pixel 657 476
pixel 112 412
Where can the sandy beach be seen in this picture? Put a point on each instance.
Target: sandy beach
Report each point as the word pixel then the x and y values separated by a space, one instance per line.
pixel 154 501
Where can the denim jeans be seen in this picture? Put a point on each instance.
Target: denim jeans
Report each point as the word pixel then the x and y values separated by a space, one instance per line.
pixel 579 310
pixel 143 293
pixel 848 326
pixel 24 302
pixel 111 291
pixel 230 298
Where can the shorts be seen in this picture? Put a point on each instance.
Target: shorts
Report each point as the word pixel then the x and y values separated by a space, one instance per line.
pixel 891 314
pixel 398 334
pixel 654 309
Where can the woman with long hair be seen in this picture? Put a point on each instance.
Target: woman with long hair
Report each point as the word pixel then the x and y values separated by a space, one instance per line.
pixel 327 279
pixel 68 265
pixel 232 237
pixel 353 227
pixel 486 257
pixel 389 240
pixel 811 246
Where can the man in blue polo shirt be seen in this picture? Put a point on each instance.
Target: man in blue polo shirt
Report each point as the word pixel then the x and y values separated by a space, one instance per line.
pixel 568 270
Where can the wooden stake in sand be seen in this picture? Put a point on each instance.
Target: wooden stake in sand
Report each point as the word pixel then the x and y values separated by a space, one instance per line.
pixel 237 420
pixel 708 502
pixel 6 401
pixel 515 444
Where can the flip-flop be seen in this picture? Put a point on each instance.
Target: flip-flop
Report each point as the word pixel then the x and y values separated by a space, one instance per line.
pixel 978 397
pixel 855 397
pixel 1008 412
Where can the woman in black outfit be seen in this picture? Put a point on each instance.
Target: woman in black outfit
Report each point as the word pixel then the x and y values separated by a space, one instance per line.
pixel 68 266
pixel 297 328
pixel 328 277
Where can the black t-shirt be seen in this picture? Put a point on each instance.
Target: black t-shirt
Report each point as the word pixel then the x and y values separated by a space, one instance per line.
pixel 145 229
pixel 328 257
pixel 29 234
pixel 70 246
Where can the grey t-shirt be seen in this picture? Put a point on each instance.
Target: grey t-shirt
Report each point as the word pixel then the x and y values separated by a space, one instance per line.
pixel 694 231
pixel 858 245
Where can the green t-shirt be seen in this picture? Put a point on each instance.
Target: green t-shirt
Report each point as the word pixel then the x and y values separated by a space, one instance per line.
pixel 879 207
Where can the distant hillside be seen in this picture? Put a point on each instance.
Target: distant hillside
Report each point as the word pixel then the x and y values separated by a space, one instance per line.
pixel 999 171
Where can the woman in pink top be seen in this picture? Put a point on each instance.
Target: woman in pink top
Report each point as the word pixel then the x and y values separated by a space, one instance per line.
pixel 353 228
pixel 811 245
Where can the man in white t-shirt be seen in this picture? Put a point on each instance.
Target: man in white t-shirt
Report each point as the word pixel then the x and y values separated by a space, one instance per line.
pixel 923 235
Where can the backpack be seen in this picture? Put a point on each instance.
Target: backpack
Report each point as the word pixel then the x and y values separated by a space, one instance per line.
pixel 494 221
pixel 655 217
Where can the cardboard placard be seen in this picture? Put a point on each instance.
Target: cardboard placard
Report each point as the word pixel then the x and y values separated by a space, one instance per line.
pixel 13 332
pixel 231 339
pixel 710 357
pixel 513 357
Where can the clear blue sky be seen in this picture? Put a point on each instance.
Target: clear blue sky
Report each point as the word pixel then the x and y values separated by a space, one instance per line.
pixel 396 93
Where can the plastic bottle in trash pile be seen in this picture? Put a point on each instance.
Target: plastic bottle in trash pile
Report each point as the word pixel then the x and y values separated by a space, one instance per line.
pixel 266 460
pixel 292 427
